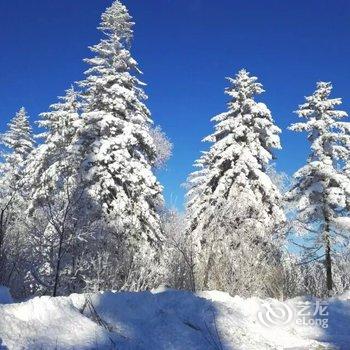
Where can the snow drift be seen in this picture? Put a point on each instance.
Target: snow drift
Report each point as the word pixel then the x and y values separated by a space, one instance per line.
pixel 165 319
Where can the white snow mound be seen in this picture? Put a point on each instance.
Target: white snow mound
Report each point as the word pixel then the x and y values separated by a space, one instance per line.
pixel 169 320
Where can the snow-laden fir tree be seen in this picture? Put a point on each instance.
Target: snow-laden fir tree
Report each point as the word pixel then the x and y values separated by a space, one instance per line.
pixel 234 207
pixel 60 123
pixel 322 186
pixel 116 138
pixel 196 184
pixel 118 147
pixel 18 144
pixel 53 161
pixel 57 201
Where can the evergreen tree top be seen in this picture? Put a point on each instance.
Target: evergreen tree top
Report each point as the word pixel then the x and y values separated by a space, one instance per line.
pixel 116 21
pixel 319 105
pixel 61 115
pixel 18 138
pixel 246 122
pixel 329 136
pixel 243 86
pixel 319 110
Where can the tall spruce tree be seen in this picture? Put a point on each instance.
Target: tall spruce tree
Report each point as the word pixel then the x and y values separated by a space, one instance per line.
pixel 59 223
pixel 233 203
pixel 55 160
pixel 322 186
pixel 115 135
pixel 196 184
pixel 118 147
pixel 18 144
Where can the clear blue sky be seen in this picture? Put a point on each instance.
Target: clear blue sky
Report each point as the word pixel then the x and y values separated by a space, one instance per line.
pixel 185 48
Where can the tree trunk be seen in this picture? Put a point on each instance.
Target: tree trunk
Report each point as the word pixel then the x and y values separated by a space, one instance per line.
pixel 2 237
pixel 328 259
pixel 207 272
pixel 58 266
pixel 2 229
pixel 192 276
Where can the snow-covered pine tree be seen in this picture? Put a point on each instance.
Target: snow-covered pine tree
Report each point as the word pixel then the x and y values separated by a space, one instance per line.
pixel 57 200
pixel 60 123
pixel 233 204
pixel 116 140
pixel 195 185
pixel 18 144
pixel 116 131
pixel 322 186
pixel 53 161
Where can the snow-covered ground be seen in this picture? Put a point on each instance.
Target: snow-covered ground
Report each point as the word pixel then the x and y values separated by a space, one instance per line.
pixel 168 319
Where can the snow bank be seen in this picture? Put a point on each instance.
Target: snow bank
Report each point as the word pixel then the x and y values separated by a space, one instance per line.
pixel 342 223
pixel 166 319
